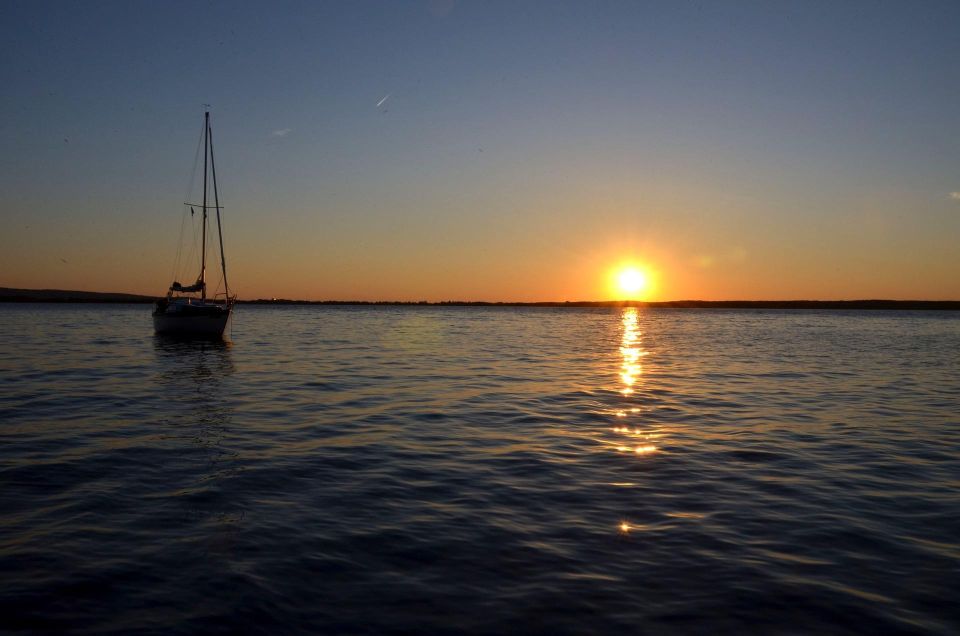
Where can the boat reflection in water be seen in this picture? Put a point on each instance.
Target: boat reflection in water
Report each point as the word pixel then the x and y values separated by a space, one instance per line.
pixel 198 437
pixel 193 369
pixel 192 373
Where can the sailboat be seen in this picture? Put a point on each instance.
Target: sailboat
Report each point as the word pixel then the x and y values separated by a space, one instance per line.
pixel 186 310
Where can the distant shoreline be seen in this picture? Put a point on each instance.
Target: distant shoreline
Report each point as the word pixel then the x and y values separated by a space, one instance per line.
pixel 11 295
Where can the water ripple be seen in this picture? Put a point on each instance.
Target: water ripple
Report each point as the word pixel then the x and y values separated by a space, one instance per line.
pixel 487 471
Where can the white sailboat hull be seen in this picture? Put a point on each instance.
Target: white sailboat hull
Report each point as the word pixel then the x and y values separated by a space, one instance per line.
pixel 193 326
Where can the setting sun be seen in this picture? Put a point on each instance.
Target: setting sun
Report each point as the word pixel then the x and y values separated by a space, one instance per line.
pixel 632 282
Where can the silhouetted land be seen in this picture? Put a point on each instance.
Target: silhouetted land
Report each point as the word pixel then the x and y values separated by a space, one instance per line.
pixel 673 304
pixel 65 296
pixel 11 295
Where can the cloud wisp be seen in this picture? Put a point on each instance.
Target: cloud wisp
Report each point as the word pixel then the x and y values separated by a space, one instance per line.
pixel 282 132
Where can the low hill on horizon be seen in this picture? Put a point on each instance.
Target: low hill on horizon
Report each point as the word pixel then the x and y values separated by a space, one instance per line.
pixel 12 294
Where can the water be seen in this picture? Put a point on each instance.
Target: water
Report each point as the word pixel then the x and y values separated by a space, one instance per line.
pixel 480 470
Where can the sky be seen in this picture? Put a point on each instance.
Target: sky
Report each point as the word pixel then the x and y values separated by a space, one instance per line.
pixel 515 151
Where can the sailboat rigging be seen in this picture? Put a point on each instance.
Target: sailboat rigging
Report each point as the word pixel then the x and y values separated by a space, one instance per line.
pixel 181 312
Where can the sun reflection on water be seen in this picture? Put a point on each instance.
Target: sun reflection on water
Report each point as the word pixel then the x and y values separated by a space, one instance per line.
pixel 631 351
pixel 631 370
pixel 635 435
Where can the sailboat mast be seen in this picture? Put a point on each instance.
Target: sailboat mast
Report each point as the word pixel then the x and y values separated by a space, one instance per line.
pixel 203 242
pixel 216 203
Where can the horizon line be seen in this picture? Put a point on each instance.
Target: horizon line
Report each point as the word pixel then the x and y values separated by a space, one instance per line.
pixel 9 294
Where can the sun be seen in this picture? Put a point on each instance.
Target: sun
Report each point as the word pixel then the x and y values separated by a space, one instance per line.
pixel 632 282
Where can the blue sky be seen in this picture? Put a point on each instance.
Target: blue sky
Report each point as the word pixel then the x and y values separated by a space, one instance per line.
pixel 740 149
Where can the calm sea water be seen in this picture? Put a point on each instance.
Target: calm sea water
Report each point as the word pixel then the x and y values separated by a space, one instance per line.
pixel 483 471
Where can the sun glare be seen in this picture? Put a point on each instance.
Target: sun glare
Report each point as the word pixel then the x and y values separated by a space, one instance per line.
pixel 632 283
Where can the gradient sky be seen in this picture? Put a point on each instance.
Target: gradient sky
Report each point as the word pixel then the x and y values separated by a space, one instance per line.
pixel 741 150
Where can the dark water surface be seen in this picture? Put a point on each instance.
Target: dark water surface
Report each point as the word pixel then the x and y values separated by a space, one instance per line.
pixel 479 470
